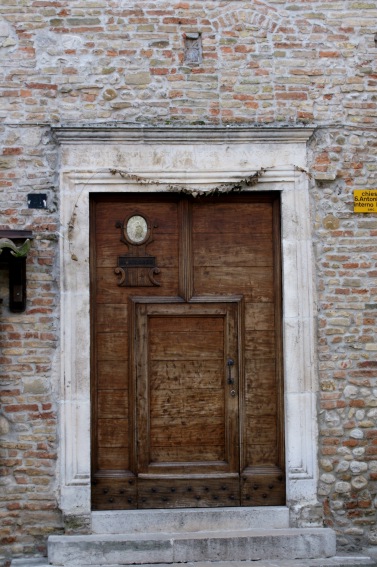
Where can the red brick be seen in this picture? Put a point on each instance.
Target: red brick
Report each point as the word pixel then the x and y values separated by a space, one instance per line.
pixel 291 96
pixel 21 407
pixel 357 403
pixel 43 86
pixel 12 151
pixel 329 54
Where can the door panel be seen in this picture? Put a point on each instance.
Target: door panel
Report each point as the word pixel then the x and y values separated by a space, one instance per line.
pixel 175 425
pixel 188 429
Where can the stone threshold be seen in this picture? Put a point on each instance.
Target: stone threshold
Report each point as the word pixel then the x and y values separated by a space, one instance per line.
pixel 336 561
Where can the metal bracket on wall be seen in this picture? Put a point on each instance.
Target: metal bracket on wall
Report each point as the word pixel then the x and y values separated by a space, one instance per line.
pixel 13 256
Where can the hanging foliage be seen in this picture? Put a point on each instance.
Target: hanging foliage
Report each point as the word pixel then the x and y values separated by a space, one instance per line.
pixel 223 188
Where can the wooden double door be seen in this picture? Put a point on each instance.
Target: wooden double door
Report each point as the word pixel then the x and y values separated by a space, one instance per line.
pixel 187 391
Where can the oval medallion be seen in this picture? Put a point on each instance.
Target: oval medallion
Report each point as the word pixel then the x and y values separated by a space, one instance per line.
pixel 137 229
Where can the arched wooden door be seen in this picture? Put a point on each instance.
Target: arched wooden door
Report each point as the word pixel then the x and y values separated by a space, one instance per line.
pixel 187 391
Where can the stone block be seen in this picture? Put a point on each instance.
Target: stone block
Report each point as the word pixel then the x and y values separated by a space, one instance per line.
pixel 240 545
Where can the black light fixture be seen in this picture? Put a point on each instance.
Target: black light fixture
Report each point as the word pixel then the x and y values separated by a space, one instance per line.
pixel 14 247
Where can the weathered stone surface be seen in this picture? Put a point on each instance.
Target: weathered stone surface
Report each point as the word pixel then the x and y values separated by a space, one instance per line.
pixel 342 487
pixel 185 547
pixel 190 520
pixel 4 425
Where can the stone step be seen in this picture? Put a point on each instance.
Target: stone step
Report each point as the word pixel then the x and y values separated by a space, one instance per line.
pixel 240 545
pixel 353 560
pixel 189 520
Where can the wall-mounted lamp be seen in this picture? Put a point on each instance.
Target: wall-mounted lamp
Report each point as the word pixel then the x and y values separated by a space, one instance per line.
pixel 13 257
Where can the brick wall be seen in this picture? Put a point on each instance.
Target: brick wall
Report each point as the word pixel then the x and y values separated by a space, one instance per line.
pixel 346 274
pixel 263 62
pixel 28 436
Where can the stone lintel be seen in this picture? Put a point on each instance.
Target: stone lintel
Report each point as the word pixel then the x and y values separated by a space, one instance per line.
pixel 98 133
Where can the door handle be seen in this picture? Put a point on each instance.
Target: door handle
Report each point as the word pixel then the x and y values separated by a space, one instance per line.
pixel 230 363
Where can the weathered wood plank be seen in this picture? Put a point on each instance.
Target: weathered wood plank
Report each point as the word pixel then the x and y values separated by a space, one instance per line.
pixel 261 403
pixel 259 370
pixel 260 344
pixel 186 404
pixel 111 318
pixel 256 284
pixel 176 432
pixel 113 432
pixel 226 218
pixel 241 250
pixel 185 324
pixel 186 346
pixel 112 374
pixel 112 346
pixel 261 397
pixel 262 455
pixel 188 454
pixel 181 374
pixel 113 458
pixel 261 430
pixel 259 316
pixel 113 403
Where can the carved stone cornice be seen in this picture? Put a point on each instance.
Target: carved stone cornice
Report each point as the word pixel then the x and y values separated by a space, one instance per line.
pixel 118 132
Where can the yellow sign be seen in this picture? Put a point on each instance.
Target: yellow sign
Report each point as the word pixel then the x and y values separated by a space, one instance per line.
pixel 365 201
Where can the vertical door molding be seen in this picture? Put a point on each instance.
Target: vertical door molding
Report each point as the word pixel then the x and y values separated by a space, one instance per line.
pixel 215 156
pixel 299 347
pixel 75 349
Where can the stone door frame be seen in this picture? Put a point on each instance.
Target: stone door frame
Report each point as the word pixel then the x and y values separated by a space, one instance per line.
pixel 120 159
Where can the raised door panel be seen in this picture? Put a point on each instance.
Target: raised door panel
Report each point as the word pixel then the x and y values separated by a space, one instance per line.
pixel 187 413
pixel 232 248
